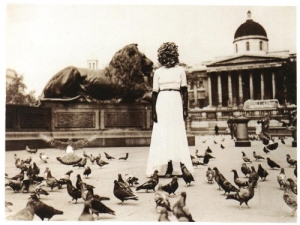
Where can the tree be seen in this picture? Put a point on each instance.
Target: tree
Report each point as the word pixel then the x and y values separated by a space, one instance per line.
pixel 15 92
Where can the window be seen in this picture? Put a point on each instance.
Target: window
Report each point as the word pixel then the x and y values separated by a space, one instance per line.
pixel 260 45
pixel 236 48
pixel 247 46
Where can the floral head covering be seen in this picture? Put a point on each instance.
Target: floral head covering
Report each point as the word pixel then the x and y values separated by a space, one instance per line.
pixel 168 54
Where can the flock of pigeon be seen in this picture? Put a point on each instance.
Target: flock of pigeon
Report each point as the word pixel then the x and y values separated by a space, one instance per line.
pixel 39 182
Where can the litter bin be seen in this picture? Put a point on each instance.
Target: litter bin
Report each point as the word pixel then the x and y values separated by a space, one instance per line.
pixel 242 132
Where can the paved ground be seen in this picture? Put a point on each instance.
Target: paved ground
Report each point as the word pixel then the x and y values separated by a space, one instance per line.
pixel 206 203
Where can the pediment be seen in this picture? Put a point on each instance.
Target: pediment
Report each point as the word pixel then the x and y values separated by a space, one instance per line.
pixel 244 59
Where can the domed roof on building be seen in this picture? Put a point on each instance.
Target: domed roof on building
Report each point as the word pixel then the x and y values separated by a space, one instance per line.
pixel 250 28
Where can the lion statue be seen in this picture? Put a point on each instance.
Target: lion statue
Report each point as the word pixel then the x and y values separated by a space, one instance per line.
pixel 126 79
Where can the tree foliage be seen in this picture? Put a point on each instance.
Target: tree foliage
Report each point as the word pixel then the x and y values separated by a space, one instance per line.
pixel 15 92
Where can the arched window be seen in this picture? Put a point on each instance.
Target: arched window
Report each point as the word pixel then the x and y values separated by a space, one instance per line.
pixel 260 45
pixel 236 48
pixel 247 46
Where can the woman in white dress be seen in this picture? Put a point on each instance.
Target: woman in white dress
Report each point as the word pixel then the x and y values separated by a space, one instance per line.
pixel 169 110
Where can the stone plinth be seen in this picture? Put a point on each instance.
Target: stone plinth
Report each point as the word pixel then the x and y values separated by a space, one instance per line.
pixel 242 132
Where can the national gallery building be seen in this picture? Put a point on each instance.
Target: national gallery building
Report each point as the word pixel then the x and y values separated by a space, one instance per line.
pixel 251 72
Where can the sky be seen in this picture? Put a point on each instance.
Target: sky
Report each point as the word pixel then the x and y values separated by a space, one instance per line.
pixel 42 39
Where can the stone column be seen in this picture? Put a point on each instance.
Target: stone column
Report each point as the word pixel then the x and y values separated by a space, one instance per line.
pixel 209 90
pixel 241 89
pixel 251 85
pixel 262 85
pixel 273 85
pixel 195 94
pixel 229 89
pixel 219 90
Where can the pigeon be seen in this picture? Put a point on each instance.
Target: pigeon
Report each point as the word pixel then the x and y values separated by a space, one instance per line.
pixel 161 199
pixel 87 171
pixel 6 206
pixel 169 170
pixel 101 162
pixel 92 159
pixel 281 178
pixel 291 161
pixel 186 175
pixel 210 175
pixel 262 172
pixel 245 169
pixel 75 193
pixel 15 185
pixel 219 178
pixel 87 191
pixel 124 183
pixel 272 164
pixel 206 159
pixel 28 160
pixel 78 185
pixel 222 147
pixel 181 211
pixel 150 184
pixel 40 191
pixel 43 210
pixel 244 195
pixel 86 215
pixel 257 157
pixel 289 196
pixel 253 175
pixel 63 145
pixel 228 187
pixel 82 163
pixel 43 157
pixel 124 158
pixel 31 151
pixel 50 180
pixel 36 169
pixel 197 155
pixel 204 141
pixel 109 157
pixel 293 185
pixel 245 158
pixel 164 216
pixel 172 186
pixel 131 180
pixel 99 207
pixel 85 155
pixel 196 163
pixel 122 193
pixel 215 142
pixel 266 150
pixel 282 141
pixel 238 181
pixel 25 214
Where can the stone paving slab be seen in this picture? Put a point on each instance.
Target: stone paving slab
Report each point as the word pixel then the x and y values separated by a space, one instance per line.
pixel 205 201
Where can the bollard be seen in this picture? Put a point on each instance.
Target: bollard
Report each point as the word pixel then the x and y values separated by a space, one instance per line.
pixel 242 132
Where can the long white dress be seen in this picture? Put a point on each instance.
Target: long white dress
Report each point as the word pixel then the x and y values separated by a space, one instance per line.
pixel 169 139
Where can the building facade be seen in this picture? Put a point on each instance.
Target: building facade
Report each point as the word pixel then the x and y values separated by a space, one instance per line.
pixel 251 72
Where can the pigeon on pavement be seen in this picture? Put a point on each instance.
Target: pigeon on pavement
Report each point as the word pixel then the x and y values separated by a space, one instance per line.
pixel 86 215
pixel 290 197
pixel 87 171
pixel 124 158
pixel 244 195
pixel 272 164
pixel 281 178
pixel 172 186
pixel 181 211
pixel 238 181
pixel 186 175
pixel 123 194
pixel 291 161
pixel 256 156
pixel 25 214
pixel 262 172
pixel 245 158
pixel 245 169
pixel 210 175
pixel 109 157
pixel 150 184
pixel 161 199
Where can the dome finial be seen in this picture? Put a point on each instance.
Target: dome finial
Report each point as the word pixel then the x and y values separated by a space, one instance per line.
pixel 249 15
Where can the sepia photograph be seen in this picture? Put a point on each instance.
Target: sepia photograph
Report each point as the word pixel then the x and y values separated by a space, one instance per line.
pixel 150 112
